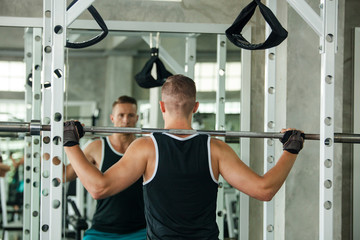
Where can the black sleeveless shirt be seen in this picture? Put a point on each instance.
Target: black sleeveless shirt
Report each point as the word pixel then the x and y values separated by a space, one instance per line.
pixel 180 197
pixel 123 212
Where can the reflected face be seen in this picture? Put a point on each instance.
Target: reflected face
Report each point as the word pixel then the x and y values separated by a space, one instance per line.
pixel 124 115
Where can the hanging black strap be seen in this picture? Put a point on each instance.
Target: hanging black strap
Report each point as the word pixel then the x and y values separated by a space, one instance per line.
pixel 145 79
pixel 277 35
pixel 95 39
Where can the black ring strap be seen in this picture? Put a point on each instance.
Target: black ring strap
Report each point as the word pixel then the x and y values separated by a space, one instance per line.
pixel 95 39
pixel 277 35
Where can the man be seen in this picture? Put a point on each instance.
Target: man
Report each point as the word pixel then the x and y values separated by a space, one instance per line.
pixel 180 172
pixel 16 186
pixel 120 216
pixel 3 167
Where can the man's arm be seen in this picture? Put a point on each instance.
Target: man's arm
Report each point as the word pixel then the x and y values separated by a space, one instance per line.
pixel 240 176
pixel 117 178
pixel 3 169
pixel 92 153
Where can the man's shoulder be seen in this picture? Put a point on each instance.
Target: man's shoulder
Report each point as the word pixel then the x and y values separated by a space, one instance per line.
pixel 216 141
pixel 217 145
pixel 143 146
pixel 143 140
pixel 93 144
pixel 144 143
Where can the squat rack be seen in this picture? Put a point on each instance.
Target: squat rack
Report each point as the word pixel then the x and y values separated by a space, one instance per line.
pixel 324 26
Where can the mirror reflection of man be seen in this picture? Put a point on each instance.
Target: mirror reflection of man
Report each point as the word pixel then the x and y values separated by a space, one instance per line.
pixel 3 167
pixel 120 216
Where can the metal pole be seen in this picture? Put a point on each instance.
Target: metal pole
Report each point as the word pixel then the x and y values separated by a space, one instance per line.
pixel 58 21
pixel 47 74
pixel 220 124
pixel 27 151
pixel 245 120
pixel 35 147
pixel 326 180
pixel 356 151
pixel 190 56
pixel 269 125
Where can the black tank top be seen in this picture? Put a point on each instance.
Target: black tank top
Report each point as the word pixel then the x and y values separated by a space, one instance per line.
pixel 180 197
pixel 123 212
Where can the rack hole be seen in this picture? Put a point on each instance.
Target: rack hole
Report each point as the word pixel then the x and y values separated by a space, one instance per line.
pixel 56 182
pixel 46 139
pixel 328 184
pixel 57 140
pixel 56 204
pixel 330 37
pixel 270 228
pixel 36 155
pixel 46 156
pixel 56 161
pixel 46 174
pixel 221 72
pixel 327 121
pixel 46 120
pixel 45 192
pixel 271 56
pixel 48 13
pixel 57 117
pixel 328 163
pixel 58 29
pixel 328 142
pixel 327 205
pixel 47 49
pixel 271 90
pixel 58 73
pixel 329 79
pixel 45 228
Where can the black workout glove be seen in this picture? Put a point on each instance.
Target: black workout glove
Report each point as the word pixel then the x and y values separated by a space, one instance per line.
pixel 293 141
pixel 73 131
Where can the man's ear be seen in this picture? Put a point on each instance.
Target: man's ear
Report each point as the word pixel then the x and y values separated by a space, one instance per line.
pixel 196 107
pixel 162 106
pixel 112 118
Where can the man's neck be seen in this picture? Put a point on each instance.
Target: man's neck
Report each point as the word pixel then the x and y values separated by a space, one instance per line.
pixel 177 123
pixel 120 142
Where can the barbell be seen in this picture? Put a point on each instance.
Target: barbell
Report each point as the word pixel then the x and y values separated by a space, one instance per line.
pixel 34 128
